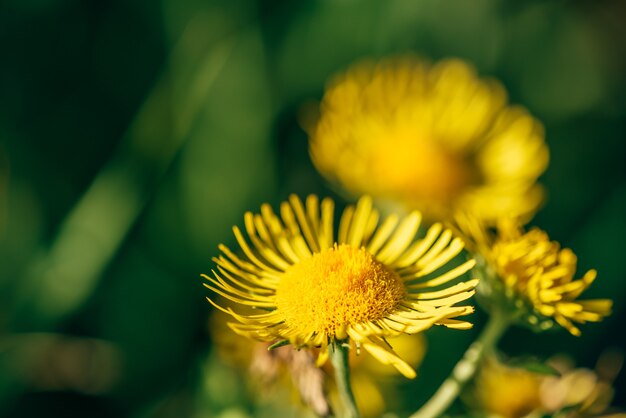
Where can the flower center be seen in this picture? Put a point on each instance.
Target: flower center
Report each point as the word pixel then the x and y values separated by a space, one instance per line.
pixel 336 288
pixel 422 170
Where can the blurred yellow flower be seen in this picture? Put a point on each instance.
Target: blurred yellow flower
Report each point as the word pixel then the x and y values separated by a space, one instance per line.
pixel 532 272
pixel 515 392
pixel 507 392
pixel 580 392
pixel 311 290
pixel 433 137
pixel 376 386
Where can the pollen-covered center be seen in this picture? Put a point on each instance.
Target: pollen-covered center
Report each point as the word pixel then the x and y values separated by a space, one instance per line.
pixel 336 288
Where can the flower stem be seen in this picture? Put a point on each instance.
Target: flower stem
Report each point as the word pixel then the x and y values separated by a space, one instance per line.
pixel 339 360
pixel 465 368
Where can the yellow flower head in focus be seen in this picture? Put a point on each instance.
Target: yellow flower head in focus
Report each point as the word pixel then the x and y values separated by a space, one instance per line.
pixel 534 275
pixel 433 137
pixel 373 282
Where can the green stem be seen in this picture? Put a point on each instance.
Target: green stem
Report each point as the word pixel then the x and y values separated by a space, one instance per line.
pixel 465 368
pixel 339 360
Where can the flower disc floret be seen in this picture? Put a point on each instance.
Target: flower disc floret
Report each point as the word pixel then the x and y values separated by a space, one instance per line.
pixel 336 288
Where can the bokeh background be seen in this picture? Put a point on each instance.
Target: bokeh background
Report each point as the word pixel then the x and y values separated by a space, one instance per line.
pixel 135 133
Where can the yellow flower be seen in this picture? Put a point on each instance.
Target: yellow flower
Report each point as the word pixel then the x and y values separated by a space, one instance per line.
pixel 528 270
pixel 433 137
pixel 312 291
pixel 508 392
pixel 581 392
pixel 515 392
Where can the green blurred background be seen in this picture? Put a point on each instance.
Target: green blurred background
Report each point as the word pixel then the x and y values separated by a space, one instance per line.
pixel 134 134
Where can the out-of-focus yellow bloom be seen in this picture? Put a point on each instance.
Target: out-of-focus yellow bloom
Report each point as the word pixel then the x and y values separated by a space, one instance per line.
pixel 312 291
pixel 506 392
pixel 273 377
pixel 374 385
pixel 433 137
pixel 513 392
pixel 580 392
pixel 533 275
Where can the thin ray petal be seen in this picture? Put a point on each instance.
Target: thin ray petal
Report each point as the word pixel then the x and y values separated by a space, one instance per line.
pixel 401 239
pixel 359 222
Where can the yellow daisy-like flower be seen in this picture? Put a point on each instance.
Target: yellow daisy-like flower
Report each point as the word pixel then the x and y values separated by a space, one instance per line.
pixel 433 137
pixel 529 270
pixel 507 392
pixel 375 281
